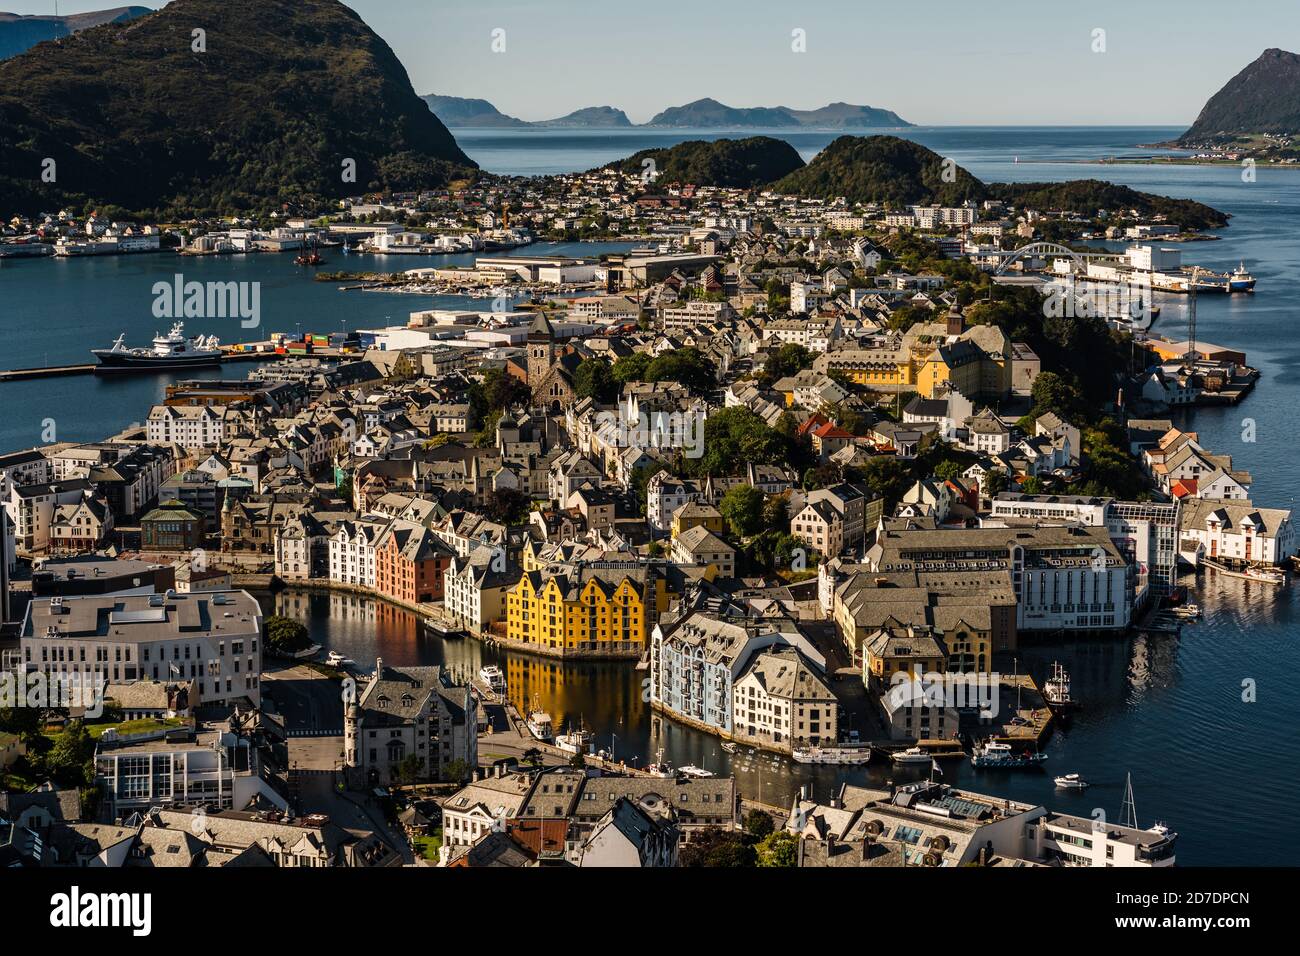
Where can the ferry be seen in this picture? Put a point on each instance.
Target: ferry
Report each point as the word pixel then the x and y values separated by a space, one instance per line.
pixel 168 352
pixel 999 756
pixel 1071 781
pixel 835 755
pixel 491 675
pixel 1056 689
pixel 912 755
pixel 575 741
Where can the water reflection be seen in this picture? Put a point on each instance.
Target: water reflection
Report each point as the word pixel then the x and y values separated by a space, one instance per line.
pixel 1153 706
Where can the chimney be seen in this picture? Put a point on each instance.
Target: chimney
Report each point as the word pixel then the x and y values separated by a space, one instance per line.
pixel 379 668
pixel 956 321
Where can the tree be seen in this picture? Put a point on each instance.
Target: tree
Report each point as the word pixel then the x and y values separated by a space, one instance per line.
pixel 1033 485
pixel 631 368
pixel 779 848
pixel 733 438
pixel 1052 393
pixel 948 470
pixel 594 379
pixel 887 477
pixel 687 366
pixel 758 824
pixel 789 359
pixel 742 506
pixel 410 769
pixel 70 761
pixel 716 847
pixel 498 391
pixel 455 771
pixel 285 635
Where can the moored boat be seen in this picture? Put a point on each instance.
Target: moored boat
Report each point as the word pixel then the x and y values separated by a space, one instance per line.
pixel 692 771
pixel 1056 689
pixel 167 353
pixel 912 755
pixel 832 755
pixel 491 675
pixel 999 756
pixel 575 741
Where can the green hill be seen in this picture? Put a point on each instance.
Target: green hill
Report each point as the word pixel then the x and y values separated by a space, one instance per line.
pixel 733 163
pixel 897 173
pixel 286 91
pixel 885 169
pixel 1262 98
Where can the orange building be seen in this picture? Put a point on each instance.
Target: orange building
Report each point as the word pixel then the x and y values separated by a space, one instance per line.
pixel 409 563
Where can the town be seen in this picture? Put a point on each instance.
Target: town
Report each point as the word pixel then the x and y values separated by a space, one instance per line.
pixel 815 469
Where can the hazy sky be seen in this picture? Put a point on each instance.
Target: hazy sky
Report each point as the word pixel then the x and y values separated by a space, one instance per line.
pixel 934 62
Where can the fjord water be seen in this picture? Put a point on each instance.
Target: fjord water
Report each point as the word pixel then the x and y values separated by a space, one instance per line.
pixel 1219 770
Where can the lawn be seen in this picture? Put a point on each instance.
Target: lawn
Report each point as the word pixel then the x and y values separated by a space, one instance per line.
pixel 137 726
pixel 427 846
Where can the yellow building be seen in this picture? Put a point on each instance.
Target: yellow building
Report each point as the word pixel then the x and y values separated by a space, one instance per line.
pixel 975 360
pixel 580 609
pixel 696 514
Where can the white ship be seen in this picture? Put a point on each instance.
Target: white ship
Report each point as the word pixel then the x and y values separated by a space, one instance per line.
pixel 836 755
pixel 168 352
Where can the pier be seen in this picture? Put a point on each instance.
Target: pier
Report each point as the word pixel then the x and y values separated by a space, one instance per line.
pixel 59 371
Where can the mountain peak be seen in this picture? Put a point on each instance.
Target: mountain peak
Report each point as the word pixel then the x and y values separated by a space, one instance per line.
pixel 1263 98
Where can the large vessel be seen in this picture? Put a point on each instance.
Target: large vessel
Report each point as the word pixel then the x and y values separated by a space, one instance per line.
pixel 1001 756
pixel 170 351
pixel 838 755
pixel 1241 280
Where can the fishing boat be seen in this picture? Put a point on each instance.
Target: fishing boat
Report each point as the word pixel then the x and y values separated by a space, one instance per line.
pixel 1267 575
pixel 1056 689
pixel 167 353
pixel 1071 781
pixel 539 723
pixel 912 755
pixel 491 675
pixel 999 756
pixel 1241 280
pixel 660 768
pixel 575 741
pixel 833 755
pixel 692 771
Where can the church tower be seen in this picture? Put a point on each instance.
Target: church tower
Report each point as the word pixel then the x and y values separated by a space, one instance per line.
pixel 541 350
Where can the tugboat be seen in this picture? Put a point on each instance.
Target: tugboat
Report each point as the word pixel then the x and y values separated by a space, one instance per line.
pixel 168 352
pixel 1056 690
pixel 998 756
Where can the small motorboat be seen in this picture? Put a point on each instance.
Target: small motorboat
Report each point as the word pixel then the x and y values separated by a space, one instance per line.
pixel 1071 781
pixel 691 770
pixel 912 755
pixel 335 659
pixel 728 747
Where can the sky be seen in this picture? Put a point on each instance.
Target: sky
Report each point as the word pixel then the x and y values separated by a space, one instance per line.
pixel 934 62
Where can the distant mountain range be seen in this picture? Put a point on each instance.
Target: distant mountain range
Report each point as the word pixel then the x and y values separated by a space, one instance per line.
pixel 462 112
pixel 458 111
pixel 20 33
pixel 710 114
pixel 309 103
pixel 1262 98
